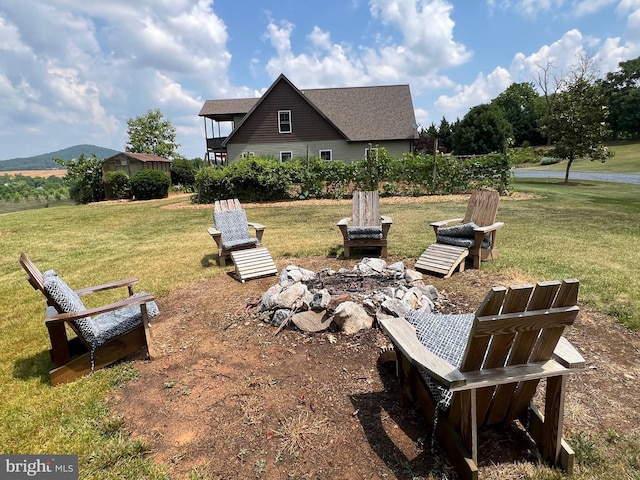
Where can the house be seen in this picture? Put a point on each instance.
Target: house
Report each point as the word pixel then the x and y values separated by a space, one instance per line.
pixel 328 123
pixel 131 163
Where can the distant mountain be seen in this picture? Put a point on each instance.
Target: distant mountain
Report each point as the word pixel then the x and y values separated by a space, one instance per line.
pixel 45 161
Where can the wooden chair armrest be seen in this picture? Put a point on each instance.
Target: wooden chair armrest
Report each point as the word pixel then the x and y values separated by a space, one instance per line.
pixel 492 377
pixel 403 336
pixel 259 230
pixel 255 225
pixel 216 235
pixel 567 355
pixel 126 282
pixel 442 223
pixel 489 228
pixel 344 221
pixel 384 219
pixel 127 302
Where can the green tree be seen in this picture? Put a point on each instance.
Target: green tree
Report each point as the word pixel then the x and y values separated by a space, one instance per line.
pixel 622 89
pixel 151 133
pixel 576 122
pixel 484 129
pixel 84 177
pixel 520 106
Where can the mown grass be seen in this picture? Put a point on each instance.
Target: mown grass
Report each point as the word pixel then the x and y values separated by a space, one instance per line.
pixel 589 232
pixel 626 159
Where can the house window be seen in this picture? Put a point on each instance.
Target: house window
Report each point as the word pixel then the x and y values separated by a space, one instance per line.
pixel 284 121
pixel 286 156
pixel 247 154
pixel 326 155
pixel 371 151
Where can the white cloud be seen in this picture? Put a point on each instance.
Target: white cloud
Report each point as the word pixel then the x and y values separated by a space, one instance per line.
pixel 416 59
pixel 482 90
pixel 75 71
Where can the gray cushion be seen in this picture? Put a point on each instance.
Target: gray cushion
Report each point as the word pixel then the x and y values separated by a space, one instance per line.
pixel 356 232
pixel 100 329
pixel 463 231
pixel 234 228
pixel 462 242
pixel 447 337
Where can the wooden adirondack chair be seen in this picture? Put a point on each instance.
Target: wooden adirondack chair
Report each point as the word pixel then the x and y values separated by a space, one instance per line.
pixel 121 328
pixel 231 229
pixel 468 371
pixel 473 236
pixel 366 227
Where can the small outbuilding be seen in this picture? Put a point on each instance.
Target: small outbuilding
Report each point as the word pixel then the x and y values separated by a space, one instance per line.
pixel 132 163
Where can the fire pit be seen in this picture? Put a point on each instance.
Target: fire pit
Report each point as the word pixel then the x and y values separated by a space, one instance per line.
pixel 347 299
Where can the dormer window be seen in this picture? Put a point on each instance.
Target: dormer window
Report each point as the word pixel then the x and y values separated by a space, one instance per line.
pixel 284 121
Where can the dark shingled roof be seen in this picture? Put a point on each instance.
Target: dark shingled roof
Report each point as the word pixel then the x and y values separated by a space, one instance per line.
pixel 361 113
pixel 368 113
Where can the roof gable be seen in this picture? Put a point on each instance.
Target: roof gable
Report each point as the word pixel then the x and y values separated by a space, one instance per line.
pixel 357 113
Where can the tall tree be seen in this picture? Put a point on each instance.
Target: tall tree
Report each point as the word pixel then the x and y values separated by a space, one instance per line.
pixel 484 129
pixel 520 105
pixel 151 133
pixel 622 89
pixel 577 119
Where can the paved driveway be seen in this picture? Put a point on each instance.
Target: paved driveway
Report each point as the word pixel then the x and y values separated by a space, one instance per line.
pixel 600 177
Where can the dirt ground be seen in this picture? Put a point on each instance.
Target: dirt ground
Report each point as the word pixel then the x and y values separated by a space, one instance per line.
pixel 225 398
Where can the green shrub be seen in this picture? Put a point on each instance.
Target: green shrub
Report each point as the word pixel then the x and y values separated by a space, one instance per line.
pixel 148 184
pixel 549 160
pixel 212 183
pixel 183 172
pixel 116 184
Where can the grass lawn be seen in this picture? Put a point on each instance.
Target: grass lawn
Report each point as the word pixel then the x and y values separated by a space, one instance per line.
pixel 586 231
pixel 626 159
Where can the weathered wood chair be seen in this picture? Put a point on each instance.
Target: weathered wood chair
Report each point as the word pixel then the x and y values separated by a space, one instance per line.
pixel 468 371
pixel 474 236
pixel 366 227
pixel 104 334
pixel 231 229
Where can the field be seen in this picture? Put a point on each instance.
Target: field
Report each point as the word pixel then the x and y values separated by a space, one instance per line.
pixel 39 173
pixel 227 399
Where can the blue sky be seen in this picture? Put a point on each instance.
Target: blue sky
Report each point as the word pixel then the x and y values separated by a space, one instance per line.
pixel 74 71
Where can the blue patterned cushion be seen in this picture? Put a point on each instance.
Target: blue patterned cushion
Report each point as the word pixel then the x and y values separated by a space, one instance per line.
pixel 355 233
pixel 111 324
pixel 461 236
pixel 447 337
pixel 68 301
pixel 234 228
pixel 100 329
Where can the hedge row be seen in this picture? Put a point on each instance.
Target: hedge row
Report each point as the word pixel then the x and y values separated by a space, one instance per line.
pixel 267 179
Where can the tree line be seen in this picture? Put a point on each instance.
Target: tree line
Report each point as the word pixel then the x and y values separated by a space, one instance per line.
pixel 573 113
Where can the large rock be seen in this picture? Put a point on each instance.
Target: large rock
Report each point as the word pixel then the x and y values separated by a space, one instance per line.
pixel 293 297
pixel 311 321
pixel 351 318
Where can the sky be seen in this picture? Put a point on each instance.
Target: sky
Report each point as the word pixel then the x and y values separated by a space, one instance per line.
pixel 74 71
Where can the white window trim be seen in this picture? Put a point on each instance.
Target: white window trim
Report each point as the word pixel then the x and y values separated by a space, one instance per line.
pixel 286 152
pixel 326 150
pixel 280 130
pixel 374 150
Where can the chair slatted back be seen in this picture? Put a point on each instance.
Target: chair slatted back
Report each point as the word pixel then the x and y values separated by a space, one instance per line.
pixel 36 279
pixel 228 204
pixel 516 326
pixel 482 207
pixel 366 209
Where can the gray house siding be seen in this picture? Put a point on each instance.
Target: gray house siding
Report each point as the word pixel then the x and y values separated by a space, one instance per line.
pixel 340 149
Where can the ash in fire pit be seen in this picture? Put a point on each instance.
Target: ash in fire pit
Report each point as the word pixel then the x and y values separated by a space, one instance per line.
pixel 348 300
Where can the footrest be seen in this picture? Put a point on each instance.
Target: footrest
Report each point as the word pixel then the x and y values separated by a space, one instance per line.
pixel 443 259
pixel 253 262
